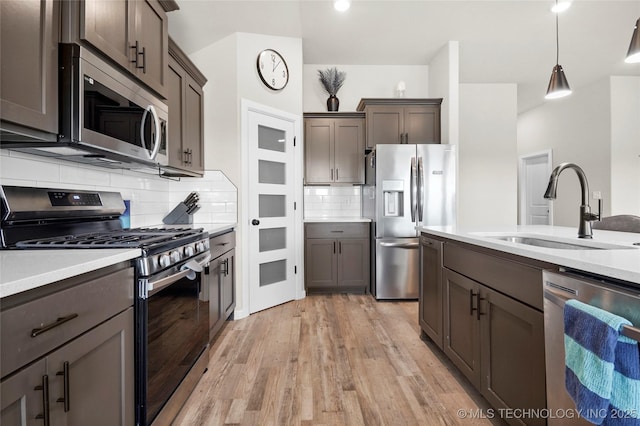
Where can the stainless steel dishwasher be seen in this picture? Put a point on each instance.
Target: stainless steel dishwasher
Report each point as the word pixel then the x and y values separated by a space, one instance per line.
pixel 616 297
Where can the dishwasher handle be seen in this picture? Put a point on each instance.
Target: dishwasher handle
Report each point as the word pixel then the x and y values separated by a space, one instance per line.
pixel 558 299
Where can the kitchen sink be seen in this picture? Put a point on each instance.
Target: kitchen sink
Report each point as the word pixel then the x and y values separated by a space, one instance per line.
pixel 557 244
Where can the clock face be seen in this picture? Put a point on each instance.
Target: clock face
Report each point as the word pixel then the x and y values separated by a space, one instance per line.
pixel 272 69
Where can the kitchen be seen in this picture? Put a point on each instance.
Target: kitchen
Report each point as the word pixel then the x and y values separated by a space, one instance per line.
pixel 465 122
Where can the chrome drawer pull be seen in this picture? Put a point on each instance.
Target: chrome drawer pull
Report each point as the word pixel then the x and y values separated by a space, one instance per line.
pixel 37 331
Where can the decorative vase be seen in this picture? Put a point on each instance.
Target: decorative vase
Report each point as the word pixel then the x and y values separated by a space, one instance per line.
pixel 333 103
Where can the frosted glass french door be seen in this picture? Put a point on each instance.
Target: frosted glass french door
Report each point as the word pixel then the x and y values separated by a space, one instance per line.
pixel 271 211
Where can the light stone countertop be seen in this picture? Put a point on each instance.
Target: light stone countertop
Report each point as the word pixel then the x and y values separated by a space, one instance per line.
pixel 335 219
pixel 22 270
pixel 622 264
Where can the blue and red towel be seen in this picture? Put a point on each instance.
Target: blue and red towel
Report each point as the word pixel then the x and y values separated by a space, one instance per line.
pixel 602 372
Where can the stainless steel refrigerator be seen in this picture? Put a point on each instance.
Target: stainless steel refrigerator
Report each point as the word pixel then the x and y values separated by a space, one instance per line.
pixel 406 186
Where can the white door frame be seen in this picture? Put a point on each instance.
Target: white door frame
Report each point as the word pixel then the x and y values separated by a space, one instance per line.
pixel 522 183
pixel 247 106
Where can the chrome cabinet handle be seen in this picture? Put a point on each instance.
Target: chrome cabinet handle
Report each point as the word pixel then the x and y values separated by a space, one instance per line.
pixel 38 331
pixel 337 178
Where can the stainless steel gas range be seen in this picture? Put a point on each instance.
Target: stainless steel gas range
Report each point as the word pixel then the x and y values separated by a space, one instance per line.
pixel 171 314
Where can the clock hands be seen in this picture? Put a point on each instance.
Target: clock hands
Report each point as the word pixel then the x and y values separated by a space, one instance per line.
pixel 276 65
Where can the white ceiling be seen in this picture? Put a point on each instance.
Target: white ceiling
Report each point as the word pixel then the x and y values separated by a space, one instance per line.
pixel 504 41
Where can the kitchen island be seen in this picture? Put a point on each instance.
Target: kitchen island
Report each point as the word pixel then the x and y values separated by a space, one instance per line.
pixel 621 262
pixel 482 301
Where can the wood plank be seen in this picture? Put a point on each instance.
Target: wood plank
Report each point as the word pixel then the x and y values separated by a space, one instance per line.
pixel 330 360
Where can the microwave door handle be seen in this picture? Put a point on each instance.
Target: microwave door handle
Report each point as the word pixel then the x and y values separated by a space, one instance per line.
pixel 156 124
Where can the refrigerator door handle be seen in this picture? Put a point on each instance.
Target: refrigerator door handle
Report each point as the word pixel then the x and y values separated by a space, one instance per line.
pixel 420 200
pixel 412 189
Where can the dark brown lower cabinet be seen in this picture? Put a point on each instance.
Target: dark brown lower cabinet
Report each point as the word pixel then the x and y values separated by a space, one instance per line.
pixel 221 281
pixel 497 342
pixel 337 257
pixel 430 297
pixel 88 381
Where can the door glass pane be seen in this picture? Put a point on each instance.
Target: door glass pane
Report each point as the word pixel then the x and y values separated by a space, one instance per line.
pixel 273 272
pixel 271 172
pixel 273 239
pixel 271 205
pixel 272 139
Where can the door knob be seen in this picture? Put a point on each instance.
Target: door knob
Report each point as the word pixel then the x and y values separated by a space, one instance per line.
pixel 255 222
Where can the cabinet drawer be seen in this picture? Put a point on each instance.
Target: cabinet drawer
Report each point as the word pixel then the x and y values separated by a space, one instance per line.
pixel 86 301
pixel 518 280
pixel 337 230
pixel 221 244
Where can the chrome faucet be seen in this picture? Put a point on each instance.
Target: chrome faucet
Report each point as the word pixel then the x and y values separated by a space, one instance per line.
pixel 586 217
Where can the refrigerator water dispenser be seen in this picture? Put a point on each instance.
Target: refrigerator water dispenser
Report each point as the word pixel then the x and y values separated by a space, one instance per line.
pixel 393 197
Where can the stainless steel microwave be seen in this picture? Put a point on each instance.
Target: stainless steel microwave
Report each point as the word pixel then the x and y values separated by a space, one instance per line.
pixel 107 113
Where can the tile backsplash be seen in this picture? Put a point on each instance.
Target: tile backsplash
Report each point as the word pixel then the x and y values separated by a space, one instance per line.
pixel 332 201
pixel 151 196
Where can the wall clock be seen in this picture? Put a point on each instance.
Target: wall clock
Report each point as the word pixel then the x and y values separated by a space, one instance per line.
pixel 272 69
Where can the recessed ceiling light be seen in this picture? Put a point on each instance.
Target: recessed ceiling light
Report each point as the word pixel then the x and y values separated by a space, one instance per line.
pixel 561 6
pixel 342 5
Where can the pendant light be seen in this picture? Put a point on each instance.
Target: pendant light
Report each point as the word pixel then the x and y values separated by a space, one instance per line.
pixel 633 55
pixel 558 84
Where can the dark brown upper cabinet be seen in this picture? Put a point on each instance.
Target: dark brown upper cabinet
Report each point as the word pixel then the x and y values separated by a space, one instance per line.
pixel 401 121
pixel 132 33
pixel 185 144
pixel 334 148
pixel 29 36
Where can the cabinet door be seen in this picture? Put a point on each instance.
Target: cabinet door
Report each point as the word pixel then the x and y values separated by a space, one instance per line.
pixel 194 125
pixel 108 26
pixel 29 32
pixel 228 294
pixel 353 263
pixel 461 324
pixel 319 150
pixel 214 277
pixel 430 299
pixel 151 33
pixel 422 124
pixel 512 352
pixel 349 151
pixel 385 124
pixel 320 263
pixel 98 371
pixel 22 396
pixel 176 83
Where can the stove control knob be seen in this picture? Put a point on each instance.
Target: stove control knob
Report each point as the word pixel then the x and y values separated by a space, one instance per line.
pixel 164 260
pixel 175 256
pixel 199 247
pixel 189 251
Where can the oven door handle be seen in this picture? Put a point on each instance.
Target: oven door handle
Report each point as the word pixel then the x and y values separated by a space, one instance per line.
pixel 190 267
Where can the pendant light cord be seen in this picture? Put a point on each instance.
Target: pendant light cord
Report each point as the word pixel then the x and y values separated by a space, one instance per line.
pixel 557 38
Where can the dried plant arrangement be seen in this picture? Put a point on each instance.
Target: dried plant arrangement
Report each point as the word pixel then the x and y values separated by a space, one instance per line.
pixel 332 80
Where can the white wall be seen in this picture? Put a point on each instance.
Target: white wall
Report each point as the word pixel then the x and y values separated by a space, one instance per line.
pixel 444 72
pixel 625 145
pixel 578 130
pixel 364 81
pixel 230 67
pixel 332 201
pixel 487 157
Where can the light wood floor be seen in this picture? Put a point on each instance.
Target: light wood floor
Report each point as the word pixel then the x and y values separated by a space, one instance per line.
pixel 330 360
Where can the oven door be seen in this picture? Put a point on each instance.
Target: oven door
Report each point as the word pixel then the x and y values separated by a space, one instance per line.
pixel 172 325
